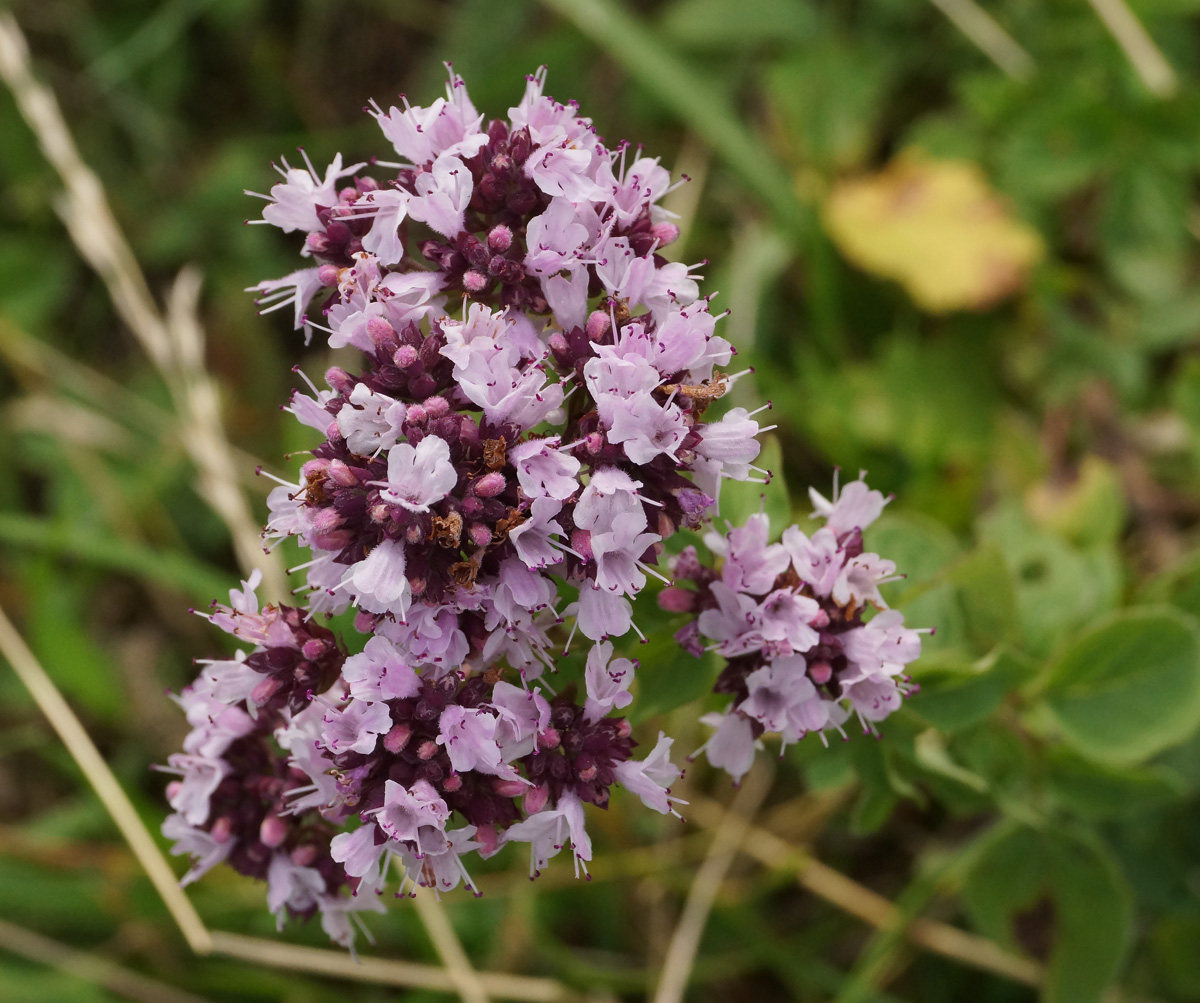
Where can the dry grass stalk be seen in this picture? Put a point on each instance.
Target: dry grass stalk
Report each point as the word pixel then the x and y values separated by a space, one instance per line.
pixel 449 948
pixel 730 832
pixel 90 967
pixel 174 343
pixel 1146 58
pixel 116 802
pixel 987 35
pixel 859 901
pixel 320 961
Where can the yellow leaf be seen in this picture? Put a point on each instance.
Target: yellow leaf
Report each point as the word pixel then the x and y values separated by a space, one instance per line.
pixel 935 227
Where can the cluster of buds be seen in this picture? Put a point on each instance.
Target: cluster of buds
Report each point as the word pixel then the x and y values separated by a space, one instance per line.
pixel 526 427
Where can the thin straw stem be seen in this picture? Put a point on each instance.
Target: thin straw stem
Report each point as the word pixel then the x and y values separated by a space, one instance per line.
pixel 449 948
pixel 1144 56
pixel 993 41
pixel 394 973
pixel 116 802
pixel 174 343
pixel 90 967
pixel 859 901
pixel 685 942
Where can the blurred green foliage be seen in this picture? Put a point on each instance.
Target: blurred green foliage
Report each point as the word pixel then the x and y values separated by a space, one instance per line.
pixel 1042 786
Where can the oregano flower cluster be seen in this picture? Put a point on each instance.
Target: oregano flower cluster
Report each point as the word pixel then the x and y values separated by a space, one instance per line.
pixel 526 425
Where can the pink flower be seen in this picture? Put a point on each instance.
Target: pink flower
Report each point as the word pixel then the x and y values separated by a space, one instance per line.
pixel 545 470
pixel 648 429
pixel 292 887
pixel 378 581
pixel 533 538
pixel 550 830
pixel 205 850
pixel 521 714
pixel 201 777
pixel 601 614
pixel 469 736
pixel 731 747
pixel 387 209
pixel 449 125
pixel 294 290
pixel 561 169
pixel 419 477
pixel 651 778
pixel 732 441
pixel 370 421
pixel 413 814
pixel 294 203
pixel 379 672
pixel 555 239
pixel 751 564
pixel 607 680
pixel 356 728
pixel 854 507
pixel 618 554
pixel 609 493
pixel 442 195
pixel 359 853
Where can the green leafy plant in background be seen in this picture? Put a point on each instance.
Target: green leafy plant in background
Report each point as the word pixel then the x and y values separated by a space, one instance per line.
pixel 1040 790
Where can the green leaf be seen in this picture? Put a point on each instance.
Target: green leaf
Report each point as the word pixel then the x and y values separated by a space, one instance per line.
pixel 956 697
pixel 667 675
pixel 1006 880
pixel 1059 587
pixel 872 809
pixel 1089 898
pixel 1128 688
pixel 988 597
pixel 195 579
pixel 1178 585
pixel 1094 917
pixel 920 547
pixel 829 97
pixel 723 23
pixel 1175 958
pixel 1095 791
pixel 1090 510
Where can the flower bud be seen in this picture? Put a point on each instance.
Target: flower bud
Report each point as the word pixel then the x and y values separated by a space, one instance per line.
pixel 581 542
pixel 535 799
pixel 436 407
pixel 272 831
pixel 380 331
pixel 665 233
pixel 340 380
pixel 508 788
pixel 820 672
pixel 397 738
pixel 499 238
pixel 404 356
pixel 677 600
pixel 598 323
pixel 489 485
